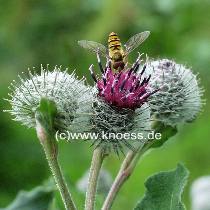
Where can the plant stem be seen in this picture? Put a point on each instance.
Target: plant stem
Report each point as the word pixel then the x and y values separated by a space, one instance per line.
pixel 124 173
pixel 132 159
pixel 48 143
pixel 96 164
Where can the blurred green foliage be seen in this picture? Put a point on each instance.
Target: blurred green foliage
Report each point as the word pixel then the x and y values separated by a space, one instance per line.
pixel 34 32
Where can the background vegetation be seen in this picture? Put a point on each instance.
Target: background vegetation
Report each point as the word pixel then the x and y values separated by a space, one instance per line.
pixel 40 32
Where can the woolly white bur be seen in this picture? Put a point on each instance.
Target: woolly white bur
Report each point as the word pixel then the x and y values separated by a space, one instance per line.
pixel 120 122
pixel 79 109
pixel 71 96
pixel 179 99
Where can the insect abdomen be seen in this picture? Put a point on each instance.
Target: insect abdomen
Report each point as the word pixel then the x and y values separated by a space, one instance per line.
pixel 114 44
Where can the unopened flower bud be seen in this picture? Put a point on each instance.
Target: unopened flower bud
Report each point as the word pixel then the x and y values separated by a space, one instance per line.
pixel 71 96
pixel 179 97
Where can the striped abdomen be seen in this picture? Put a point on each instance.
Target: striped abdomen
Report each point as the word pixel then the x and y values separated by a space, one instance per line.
pixel 114 44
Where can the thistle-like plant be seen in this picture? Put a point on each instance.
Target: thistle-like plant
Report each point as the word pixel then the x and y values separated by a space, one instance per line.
pixel 119 104
pixel 119 107
pixel 151 95
pixel 72 97
pixel 50 102
pixel 179 99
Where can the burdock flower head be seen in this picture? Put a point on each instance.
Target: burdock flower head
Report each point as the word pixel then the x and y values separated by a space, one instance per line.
pixel 119 105
pixel 179 99
pixel 71 96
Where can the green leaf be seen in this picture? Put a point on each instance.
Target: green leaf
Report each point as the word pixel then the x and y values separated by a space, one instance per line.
pixel 166 131
pixel 46 113
pixel 164 190
pixel 40 198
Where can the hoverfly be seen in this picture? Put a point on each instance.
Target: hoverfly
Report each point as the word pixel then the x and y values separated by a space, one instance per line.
pixel 115 52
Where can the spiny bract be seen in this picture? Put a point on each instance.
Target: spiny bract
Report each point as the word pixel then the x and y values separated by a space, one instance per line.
pixel 179 98
pixel 72 97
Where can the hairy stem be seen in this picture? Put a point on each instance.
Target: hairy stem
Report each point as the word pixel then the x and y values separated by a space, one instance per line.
pixel 96 164
pixel 44 116
pixel 132 158
pixel 124 173
pixel 51 156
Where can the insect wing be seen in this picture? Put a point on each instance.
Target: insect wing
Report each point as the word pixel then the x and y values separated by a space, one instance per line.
pixel 135 41
pixel 94 47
